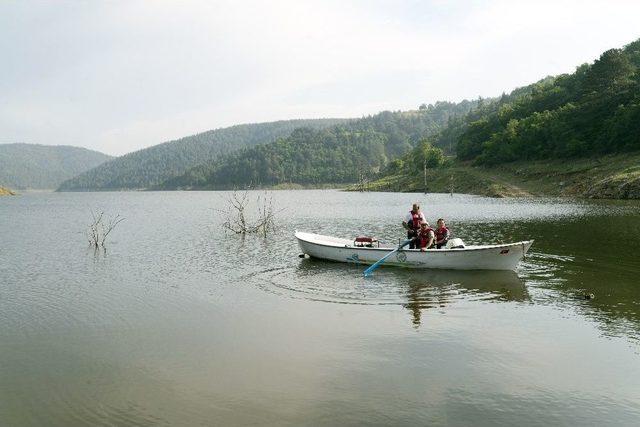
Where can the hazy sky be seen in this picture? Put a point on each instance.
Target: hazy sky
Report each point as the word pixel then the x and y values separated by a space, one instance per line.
pixel 120 76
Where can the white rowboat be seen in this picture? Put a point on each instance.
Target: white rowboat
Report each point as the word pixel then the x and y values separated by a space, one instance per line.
pixel 482 257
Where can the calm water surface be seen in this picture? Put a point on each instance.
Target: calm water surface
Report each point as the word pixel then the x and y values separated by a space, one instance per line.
pixel 180 324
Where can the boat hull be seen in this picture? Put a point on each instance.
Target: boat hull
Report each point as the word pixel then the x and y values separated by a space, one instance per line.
pixel 489 257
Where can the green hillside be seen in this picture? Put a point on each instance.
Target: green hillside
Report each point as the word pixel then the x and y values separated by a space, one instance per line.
pixel 595 110
pixel 25 166
pixel 340 154
pixel 563 135
pixel 592 112
pixel 612 176
pixel 149 167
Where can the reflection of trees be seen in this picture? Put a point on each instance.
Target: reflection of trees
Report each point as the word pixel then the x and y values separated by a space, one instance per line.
pixel 432 288
pixel 574 263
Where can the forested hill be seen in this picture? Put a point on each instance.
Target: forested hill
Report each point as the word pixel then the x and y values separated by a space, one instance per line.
pixel 31 166
pixel 338 154
pixel 575 134
pixel 151 166
pixel 593 111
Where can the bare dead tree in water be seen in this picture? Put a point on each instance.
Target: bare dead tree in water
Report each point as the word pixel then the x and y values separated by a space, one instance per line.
pixel 101 227
pixel 363 182
pixel 451 186
pixel 235 214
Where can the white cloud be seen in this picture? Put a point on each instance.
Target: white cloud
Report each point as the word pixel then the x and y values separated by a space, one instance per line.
pixel 120 76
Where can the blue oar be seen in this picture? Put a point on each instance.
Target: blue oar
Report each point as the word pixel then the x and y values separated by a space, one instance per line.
pixel 378 263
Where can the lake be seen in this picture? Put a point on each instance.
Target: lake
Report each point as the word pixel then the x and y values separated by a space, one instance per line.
pixel 178 323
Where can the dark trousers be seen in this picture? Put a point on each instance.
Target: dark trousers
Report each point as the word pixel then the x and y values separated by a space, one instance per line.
pixel 442 245
pixel 413 235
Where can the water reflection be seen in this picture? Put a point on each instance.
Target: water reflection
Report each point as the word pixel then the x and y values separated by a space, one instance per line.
pixel 174 323
pixel 429 289
pixel 567 260
pixel 98 252
pixel 415 290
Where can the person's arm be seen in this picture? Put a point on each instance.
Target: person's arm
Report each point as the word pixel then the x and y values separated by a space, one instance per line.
pixel 405 223
pixel 429 242
pixel 432 237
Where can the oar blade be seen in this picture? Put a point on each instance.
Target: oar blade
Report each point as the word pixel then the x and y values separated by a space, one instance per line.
pixel 369 271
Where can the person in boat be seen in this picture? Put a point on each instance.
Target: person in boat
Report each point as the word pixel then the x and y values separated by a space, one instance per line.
pixel 426 237
pixel 412 224
pixel 442 234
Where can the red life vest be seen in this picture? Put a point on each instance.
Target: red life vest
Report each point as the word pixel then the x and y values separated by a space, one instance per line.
pixel 423 236
pixel 441 233
pixel 416 220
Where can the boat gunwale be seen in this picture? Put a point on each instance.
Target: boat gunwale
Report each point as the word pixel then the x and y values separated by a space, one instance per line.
pixel 443 250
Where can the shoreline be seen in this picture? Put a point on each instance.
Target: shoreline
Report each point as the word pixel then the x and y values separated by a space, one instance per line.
pixel 7 192
pixel 605 177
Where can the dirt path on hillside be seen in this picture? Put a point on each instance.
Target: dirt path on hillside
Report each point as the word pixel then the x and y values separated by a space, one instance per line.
pixel 502 187
pixel 513 189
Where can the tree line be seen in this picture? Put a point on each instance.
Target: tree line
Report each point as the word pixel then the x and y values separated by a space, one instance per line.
pixel 338 154
pixel 595 110
pixel 151 166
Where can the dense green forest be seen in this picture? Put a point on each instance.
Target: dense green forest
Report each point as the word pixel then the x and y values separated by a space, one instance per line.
pixel 24 166
pixel 595 110
pixel 339 154
pixel 151 166
pixel 591 112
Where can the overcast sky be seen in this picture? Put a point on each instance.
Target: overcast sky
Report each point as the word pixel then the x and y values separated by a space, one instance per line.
pixel 120 76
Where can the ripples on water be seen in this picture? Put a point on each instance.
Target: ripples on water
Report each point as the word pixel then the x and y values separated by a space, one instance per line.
pixel 163 250
pixel 331 282
pixel 174 307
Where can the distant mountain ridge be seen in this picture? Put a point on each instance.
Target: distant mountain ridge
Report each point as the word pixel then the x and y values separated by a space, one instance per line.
pixel 151 166
pixel 35 166
pixel 342 153
pixel 594 111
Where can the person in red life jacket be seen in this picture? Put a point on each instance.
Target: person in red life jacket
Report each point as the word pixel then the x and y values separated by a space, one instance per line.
pixel 426 237
pixel 412 224
pixel 442 234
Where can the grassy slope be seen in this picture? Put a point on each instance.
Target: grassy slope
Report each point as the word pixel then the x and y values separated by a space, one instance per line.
pixel 614 176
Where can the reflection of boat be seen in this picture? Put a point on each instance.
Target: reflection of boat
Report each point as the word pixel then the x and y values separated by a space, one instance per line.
pixel 416 290
pixel 486 257
pixel 440 288
pixel 505 285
